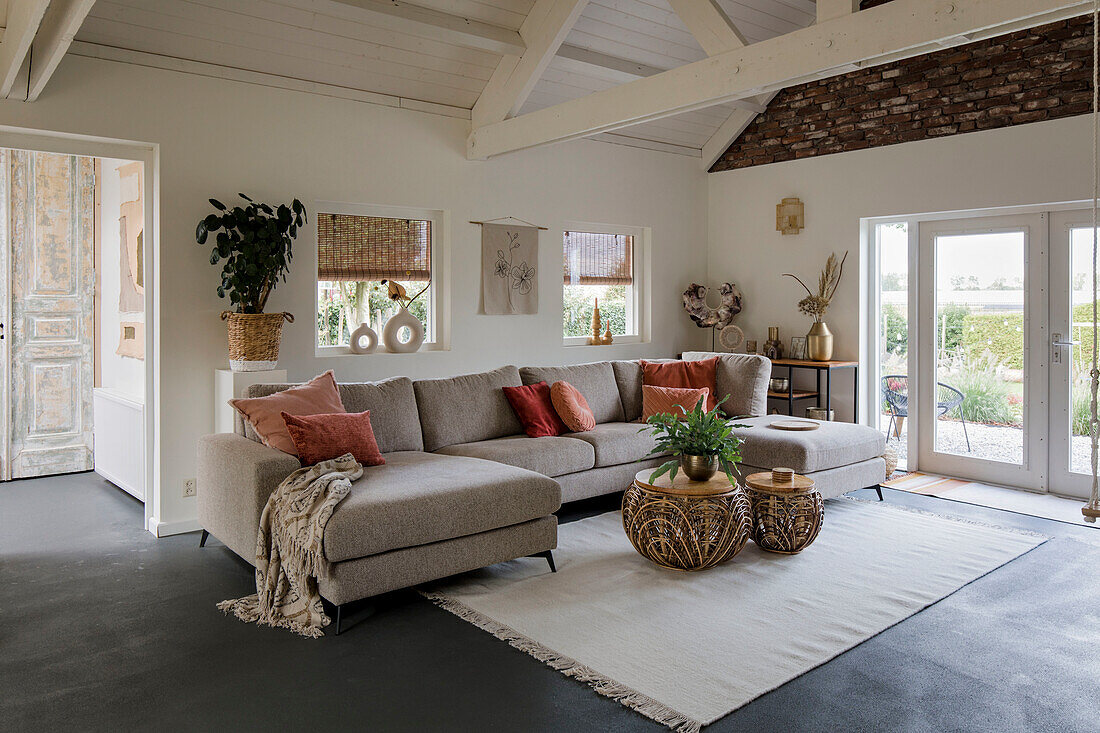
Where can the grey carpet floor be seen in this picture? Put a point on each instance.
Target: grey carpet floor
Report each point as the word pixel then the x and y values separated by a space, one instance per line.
pixel 103 627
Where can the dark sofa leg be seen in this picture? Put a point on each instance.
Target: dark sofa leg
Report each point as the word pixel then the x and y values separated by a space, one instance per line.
pixel 549 557
pixel 339 618
pixel 878 489
pixel 202 540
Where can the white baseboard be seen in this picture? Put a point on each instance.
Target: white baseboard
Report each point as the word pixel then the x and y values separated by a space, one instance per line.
pixel 180 526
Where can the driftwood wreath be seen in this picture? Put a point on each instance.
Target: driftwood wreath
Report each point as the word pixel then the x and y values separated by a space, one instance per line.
pixel 695 303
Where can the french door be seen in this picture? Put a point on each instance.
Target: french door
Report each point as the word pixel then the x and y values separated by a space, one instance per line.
pixel 982 383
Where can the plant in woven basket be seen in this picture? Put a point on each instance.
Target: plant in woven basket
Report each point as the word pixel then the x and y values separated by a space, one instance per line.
pixel 695 432
pixel 255 242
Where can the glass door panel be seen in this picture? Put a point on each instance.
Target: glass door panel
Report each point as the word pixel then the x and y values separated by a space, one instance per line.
pixel 979 399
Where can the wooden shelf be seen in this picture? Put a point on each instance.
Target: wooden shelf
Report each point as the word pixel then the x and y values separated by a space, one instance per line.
pixel 799 394
pixel 807 364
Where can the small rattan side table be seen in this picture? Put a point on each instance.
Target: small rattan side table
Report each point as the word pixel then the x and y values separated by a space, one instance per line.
pixel 684 524
pixel 787 510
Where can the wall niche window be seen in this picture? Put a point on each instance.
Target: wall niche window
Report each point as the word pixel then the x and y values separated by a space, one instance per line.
pixel 601 262
pixel 358 248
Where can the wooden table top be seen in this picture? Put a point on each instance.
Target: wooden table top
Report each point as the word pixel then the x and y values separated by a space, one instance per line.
pixel 815 364
pixel 764 481
pixel 683 486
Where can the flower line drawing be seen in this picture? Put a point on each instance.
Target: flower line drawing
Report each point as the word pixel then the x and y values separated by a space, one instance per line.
pixel 522 276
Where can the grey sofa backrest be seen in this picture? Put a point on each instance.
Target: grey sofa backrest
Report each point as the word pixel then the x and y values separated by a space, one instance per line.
pixel 628 375
pixel 744 377
pixel 393 412
pixel 467 408
pixel 595 381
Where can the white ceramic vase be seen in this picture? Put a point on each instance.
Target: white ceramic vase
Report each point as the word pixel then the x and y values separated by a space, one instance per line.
pixel 364 334
pixel 399 320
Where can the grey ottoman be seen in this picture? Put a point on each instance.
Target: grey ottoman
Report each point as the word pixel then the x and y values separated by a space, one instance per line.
pixel 839 457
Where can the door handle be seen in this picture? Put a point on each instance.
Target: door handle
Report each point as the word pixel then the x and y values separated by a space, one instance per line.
pixel 1065 343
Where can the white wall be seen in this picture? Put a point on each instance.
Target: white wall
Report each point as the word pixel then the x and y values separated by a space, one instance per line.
pixel 120 373
pixel 1028 164
pixel 217 138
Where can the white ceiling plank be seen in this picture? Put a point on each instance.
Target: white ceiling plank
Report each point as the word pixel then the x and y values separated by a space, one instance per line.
pixel 710 25
pixel 730 130
pixel 902 27
pixel 543 33
pixel 622 68
pixel 23 21
pixel 59 25
pixel 637 142
pixel 433 24
pixel 831 9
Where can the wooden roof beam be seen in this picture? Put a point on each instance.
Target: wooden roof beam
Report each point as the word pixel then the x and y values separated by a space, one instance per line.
pixel 24 17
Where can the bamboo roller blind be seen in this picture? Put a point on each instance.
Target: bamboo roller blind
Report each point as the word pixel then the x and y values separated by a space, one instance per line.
pixel 598 259
pixel 361 248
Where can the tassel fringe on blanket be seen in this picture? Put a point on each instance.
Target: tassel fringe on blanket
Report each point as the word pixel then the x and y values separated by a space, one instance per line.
pixel 290 549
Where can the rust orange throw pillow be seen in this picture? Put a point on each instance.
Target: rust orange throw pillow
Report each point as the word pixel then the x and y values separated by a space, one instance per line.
pixel 684 375
pixel 322 437
pixel 660 400
pixel 572 407
pixel 318 396
pixel 531 403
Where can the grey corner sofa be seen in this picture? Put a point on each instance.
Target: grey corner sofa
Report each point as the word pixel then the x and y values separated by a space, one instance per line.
pixel 463 487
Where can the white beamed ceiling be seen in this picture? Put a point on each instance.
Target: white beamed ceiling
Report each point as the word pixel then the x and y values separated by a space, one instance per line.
pixel 322 42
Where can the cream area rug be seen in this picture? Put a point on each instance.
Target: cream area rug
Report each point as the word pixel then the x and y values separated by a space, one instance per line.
pixel 686 649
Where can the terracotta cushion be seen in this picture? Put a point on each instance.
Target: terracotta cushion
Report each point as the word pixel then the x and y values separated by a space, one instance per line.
pixel 662 400
pixel 684 374
pixel 532 406
pixel 318 396
pixel 572 407
pixel 323 437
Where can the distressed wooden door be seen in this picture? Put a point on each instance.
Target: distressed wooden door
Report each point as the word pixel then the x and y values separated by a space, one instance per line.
pixel 51 345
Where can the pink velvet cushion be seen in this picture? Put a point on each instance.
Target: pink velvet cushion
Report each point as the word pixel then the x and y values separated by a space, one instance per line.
pixel 322 437
pixel 572 407
pixel 318 396
pixel 660 400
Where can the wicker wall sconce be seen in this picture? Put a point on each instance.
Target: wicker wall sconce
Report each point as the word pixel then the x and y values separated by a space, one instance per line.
pixel 790 216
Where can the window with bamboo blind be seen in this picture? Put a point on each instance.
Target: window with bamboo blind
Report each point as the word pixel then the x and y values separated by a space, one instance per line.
pixel 360 249
pixel 598 264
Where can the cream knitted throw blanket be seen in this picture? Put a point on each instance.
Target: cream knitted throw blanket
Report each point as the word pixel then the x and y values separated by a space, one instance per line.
pixel 290 551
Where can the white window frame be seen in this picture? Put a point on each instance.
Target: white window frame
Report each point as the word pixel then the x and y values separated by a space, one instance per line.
pixel 438 336
pixel 639 308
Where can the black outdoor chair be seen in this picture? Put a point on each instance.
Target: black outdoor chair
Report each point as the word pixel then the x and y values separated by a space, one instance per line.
pixel 895 390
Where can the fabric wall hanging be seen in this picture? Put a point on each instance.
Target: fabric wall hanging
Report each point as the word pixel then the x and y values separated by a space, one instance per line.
pixel 509 278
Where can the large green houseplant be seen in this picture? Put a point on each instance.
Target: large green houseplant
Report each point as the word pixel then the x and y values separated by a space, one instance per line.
pixel 701 441
pixel 255 241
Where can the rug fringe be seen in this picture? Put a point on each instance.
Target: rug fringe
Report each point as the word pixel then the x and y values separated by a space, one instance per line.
pixel 960 520
pixel 569 667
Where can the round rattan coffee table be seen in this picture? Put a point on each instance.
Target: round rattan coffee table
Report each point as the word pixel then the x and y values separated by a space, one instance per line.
pixel 787 510
pixel 684 524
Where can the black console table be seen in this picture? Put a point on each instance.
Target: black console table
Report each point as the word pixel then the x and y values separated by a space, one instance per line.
pixel 793 395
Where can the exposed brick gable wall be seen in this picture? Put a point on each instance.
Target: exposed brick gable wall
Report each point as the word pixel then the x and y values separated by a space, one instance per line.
pixel 1029 76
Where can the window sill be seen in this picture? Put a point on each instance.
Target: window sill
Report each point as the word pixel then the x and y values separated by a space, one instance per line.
pixel 619 340
pixel 327 351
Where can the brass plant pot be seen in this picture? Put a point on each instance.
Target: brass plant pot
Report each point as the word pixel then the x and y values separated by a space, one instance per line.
pixel 819 342
pixel 699 468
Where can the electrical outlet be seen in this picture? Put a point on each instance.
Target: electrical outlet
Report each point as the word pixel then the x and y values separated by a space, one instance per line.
pixel 189 487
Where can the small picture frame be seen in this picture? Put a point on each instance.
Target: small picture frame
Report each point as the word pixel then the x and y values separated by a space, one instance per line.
pixel 798 347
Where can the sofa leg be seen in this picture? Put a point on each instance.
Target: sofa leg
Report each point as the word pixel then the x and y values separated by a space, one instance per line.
pixel 549 557
pixel 202 540
pixel 878 490
pixel 339 618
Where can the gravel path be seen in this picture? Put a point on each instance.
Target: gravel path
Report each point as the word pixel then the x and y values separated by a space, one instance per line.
pixel 991 442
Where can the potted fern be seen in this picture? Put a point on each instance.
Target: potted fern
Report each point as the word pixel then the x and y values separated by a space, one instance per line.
pixel 255 242
pixel 701 442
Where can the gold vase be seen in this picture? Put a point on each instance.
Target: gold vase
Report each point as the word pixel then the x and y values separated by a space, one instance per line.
pixel 699 468
pixel 819 342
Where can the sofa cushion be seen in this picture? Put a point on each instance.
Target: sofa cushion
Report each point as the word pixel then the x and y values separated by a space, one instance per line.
pixel 744 377
pixel 670 400
pixel 393 413
pixel 417 498
pixel 264 413
pixel 684 374
pixel 618 442
pixel 595 381
pixel 467 408
pixel 572 407
pixel 536 413
pixel 550 456
pixel 832 445
pixel 628 375
pixel 324 437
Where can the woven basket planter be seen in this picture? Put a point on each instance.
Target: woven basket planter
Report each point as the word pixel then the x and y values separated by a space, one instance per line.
pixel 254 339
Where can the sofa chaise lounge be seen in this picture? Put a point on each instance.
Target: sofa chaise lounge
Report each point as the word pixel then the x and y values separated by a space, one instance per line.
pixel 463 487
